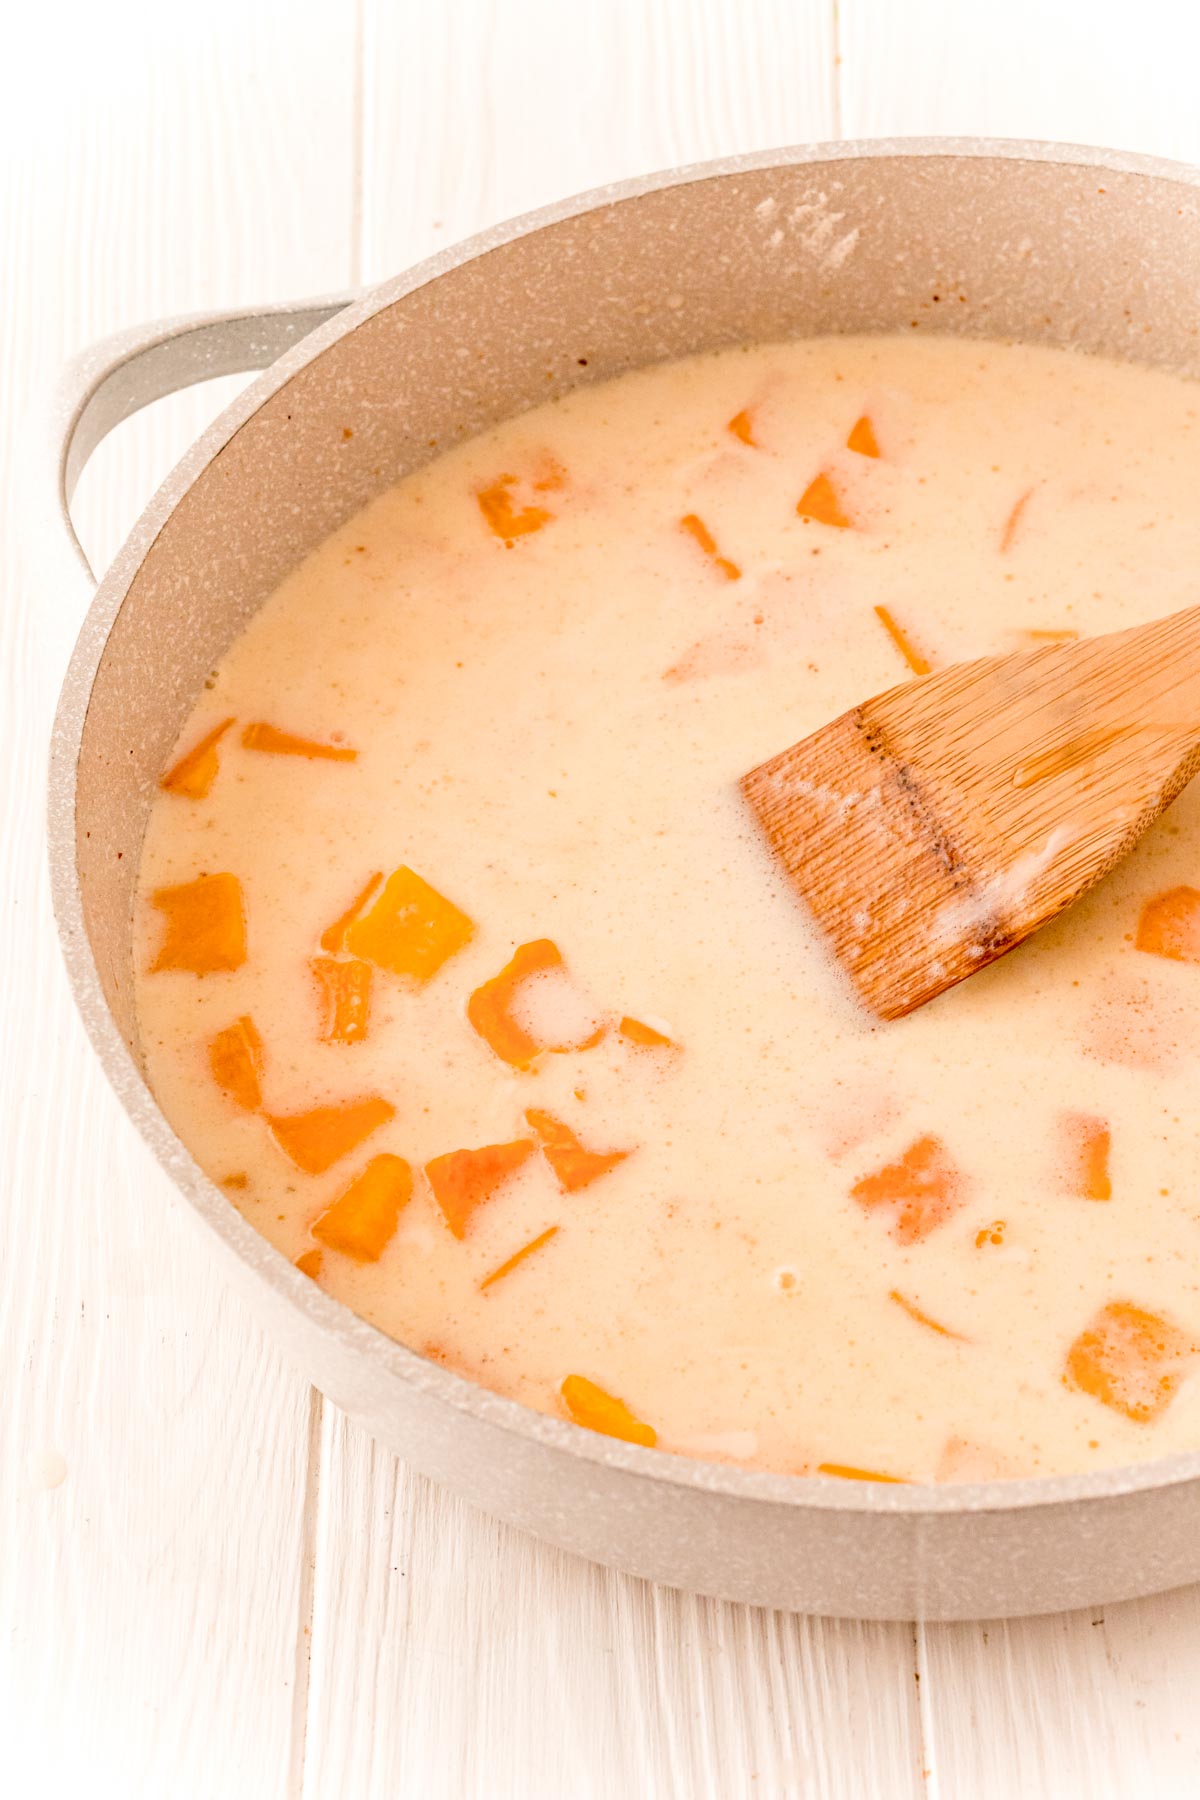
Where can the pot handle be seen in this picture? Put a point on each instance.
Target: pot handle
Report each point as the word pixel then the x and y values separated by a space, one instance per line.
pixel 114 378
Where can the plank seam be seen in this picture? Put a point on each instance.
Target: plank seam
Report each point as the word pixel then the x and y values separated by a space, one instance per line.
pixel 836 94
pixel 926 1737
pixel 358 146
pixel 310 1522
pixel 308 1581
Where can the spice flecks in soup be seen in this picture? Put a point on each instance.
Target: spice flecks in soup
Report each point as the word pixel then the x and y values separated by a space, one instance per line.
pixel 383 977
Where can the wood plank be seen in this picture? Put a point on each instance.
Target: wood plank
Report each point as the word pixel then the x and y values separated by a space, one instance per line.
pixel 1083 1706
pixel 477 112
pixel 452 1655
pixel 1025 69
pixel 154 1450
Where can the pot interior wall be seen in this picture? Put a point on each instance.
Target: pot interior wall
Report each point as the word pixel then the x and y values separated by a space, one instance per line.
pixel 990 246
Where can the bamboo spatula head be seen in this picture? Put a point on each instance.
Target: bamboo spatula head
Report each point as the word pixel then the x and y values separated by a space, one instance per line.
pixel 932 828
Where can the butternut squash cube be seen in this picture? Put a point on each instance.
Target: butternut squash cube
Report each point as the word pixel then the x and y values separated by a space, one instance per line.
pixel 273 742
pixel 235 1057
pixel 820 502
pixel 362 1221
pixel 411 929
pixel 573 1166
pixel 505 516
pixel 1170 925
pixel 1130 1360
pixel 194 773
pixel 316 1139
pixel 862 439
pixel 344 986
pixel 464 1180
pixel 206 925
pixel 922 1190
pixel 600 1411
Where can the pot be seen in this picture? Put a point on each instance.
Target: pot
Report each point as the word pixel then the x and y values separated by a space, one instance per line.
pixel 1000 240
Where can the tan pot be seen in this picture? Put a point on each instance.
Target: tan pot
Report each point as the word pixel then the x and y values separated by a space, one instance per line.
pixel 1043 243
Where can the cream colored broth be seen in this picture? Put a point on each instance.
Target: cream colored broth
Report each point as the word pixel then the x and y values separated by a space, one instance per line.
pixel 550 731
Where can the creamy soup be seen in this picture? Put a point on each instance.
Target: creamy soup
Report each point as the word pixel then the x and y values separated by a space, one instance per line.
pixel 463 968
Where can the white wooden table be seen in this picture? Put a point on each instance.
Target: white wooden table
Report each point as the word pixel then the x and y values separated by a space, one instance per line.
pixel 211 1585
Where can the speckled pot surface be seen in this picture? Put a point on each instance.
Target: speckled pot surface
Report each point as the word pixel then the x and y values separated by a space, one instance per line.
pixel 1044 243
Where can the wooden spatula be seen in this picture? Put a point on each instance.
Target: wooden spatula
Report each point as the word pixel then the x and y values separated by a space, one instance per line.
pixel 932 828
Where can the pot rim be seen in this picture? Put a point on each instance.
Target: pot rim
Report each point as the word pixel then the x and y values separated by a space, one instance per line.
pixel 237 1237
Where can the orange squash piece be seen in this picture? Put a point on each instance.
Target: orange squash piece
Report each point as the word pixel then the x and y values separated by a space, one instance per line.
pixel 506 519
pixel 315 1140
pixel 488 1008
pixel 1013 522
pixel 549 476
pixel 411 929
pixel 309 1263
pixel 862 439
pixel 464 1180
pixel 922 1318
pixel 518 1257
pixel 644 1036
pixel 965 1459
pixel 362 1221
pixel 902 641
pixel 235 1057
pixel 344 985
pixel 696 528
pixel 574 1167
pixel 333 938
pixel 726 652
pixel 820 502
pixel 1170 925
pixel 923 1190
pixel 742 428
pixel 1130 1360
pixel 195 772
pixel 847 1472
pixel 591 1406
pixel 1088 1144
pixel 206 925
pixel 273 742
